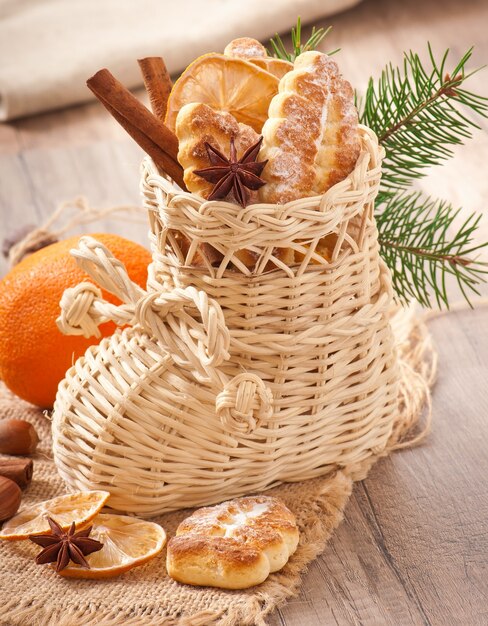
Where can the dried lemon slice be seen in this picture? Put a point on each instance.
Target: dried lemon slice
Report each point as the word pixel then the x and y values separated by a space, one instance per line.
pixel 127 543
pixel 277 67
pixel 225 84
pixel 80 507
pixel 253 51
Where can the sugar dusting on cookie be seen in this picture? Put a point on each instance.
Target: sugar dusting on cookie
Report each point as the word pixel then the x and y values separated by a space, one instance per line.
pixel 311 137
pixel 242 517
pixel 245 48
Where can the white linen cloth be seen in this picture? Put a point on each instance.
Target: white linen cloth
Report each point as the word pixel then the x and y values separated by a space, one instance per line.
pixel 48 48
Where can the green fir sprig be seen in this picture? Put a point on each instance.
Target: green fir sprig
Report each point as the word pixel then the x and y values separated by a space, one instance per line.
pixel 423 245
pixel 419 111
pixel 278 48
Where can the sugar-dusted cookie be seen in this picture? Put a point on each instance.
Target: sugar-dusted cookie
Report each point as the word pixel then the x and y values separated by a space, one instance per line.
pixel 311 136
pixel 245 48
pixel 233 545
pixel 198 124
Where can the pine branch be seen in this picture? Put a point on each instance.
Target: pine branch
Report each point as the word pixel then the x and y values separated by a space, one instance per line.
pixel 417 115
pixel 279 50
pixel 415 240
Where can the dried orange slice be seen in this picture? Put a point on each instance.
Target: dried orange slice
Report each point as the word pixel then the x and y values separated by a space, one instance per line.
pixel 224 84
pixel 127 543
pixel 254 52
pixel 80 507
pixel 277 67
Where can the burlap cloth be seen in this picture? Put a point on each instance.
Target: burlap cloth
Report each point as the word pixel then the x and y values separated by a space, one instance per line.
pixel 33 596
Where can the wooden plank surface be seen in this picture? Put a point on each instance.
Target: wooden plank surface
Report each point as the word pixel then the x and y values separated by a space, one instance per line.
pixel 413 548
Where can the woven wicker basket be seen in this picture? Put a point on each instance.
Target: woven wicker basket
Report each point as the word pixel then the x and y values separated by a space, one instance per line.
pixel 231 380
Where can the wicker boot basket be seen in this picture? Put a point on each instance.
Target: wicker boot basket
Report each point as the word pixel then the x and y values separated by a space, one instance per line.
pixel 230 380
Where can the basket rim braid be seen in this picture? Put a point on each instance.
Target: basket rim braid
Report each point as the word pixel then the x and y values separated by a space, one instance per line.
pixel 229 227
pixel 232 379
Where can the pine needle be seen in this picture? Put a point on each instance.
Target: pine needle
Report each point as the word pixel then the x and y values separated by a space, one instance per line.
pixel 418 113
pixel 279 51
pixel 422 245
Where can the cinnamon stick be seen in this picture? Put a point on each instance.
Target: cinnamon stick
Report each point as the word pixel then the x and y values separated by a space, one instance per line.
pixel 152 135
pixel 17 469
pixel 158 84
pixel 161 158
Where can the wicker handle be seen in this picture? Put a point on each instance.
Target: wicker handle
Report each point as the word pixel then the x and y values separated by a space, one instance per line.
pixel 107 271
pixel 244 402
pixel 163 315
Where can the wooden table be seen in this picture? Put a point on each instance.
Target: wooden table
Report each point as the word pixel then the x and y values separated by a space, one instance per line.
pixel 413 548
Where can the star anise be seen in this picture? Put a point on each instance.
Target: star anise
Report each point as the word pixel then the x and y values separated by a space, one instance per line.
pixel 232 174
pixel 62 547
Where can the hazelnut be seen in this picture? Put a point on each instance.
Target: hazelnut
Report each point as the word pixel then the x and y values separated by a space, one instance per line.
pixel 17 437
pixel 10 496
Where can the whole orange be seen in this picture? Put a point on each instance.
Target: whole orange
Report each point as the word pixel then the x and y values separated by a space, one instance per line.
pixel 34 354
